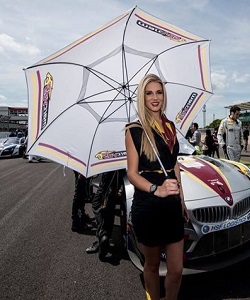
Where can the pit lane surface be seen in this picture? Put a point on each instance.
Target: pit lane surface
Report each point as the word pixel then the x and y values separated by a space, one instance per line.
pixel 40 258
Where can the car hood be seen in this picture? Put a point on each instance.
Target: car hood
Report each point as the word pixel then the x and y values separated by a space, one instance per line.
pixel 205 177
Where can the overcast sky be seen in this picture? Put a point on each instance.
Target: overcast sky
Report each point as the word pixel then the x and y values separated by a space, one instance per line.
pixel 33 29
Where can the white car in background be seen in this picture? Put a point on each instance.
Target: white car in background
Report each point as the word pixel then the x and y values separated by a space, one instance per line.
pixel 11 147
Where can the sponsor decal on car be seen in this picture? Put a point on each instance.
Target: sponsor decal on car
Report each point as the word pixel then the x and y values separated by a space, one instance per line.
pixel 206 174
pixel 207 228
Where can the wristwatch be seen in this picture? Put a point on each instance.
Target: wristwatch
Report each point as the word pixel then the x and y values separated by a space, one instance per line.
pixel 153 188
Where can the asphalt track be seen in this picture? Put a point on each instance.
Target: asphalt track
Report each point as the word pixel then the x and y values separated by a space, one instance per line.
pixel 41 259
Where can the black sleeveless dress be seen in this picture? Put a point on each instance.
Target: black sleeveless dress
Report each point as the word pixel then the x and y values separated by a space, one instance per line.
pixel 156 221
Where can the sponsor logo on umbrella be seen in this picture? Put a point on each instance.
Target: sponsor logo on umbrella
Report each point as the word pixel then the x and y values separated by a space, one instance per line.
pixel 186 108
pixel 110 154
pixel 170 35
pixel 47 90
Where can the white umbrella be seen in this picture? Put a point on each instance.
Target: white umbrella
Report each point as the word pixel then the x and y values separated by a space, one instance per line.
pixel 81 97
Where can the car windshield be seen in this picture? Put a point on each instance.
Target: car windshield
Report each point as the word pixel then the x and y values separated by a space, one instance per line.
pixel 9 141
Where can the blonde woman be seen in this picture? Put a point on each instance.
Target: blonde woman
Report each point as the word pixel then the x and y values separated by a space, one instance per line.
pixel 158 208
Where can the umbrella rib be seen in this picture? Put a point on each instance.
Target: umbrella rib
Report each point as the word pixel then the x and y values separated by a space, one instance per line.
pixel 103 119
pixel 96 74
pixel 152 61
pixel 119 90
pixel 182 45
pixel 190 86
pixel 90 150
pixel 124 62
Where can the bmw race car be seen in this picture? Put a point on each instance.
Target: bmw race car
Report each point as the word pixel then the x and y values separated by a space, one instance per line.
pixel 217 195
pixel 11 147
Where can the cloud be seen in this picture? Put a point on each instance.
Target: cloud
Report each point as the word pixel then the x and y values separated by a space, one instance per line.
pixel 7 43
pixel 219 80
pixel 199 5
pixel 2 97
pixel 243 78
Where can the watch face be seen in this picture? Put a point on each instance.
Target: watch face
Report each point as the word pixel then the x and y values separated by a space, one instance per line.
pixel 153 188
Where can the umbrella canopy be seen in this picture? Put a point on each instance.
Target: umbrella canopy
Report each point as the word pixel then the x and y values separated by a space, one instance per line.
pixel 81 97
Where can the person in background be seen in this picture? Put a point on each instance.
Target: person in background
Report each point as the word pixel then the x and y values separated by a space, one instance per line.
pixel 81 222
pixel 12 134
pixel 207 147
pixel 25 146
pixel 245 137
pixel 103 206
pixel 195 140
pixel 158 207
pixel 189 134
pixel 20 134
pixel 230 135
pixel 215 145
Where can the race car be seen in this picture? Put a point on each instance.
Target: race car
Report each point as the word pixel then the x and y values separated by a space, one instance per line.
pixel 11 147
pixel 217 195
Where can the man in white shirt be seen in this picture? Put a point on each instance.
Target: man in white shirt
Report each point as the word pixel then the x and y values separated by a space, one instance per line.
pixel 230 135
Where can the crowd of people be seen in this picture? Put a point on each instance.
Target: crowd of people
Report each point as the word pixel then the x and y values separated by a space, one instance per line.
pixel 19 133
pixel 229 136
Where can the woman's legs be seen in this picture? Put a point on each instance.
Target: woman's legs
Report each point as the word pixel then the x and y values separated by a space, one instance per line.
pixel 174 269
pixel 151 271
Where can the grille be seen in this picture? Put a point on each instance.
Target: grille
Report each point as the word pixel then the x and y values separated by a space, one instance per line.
pixel 214 214
pixel 241 208
pixel 222 241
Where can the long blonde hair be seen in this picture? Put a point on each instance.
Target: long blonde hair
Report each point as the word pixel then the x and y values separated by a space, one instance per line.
pixel 146 117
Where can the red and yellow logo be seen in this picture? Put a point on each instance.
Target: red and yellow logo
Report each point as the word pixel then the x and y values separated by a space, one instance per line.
pixel 47 91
